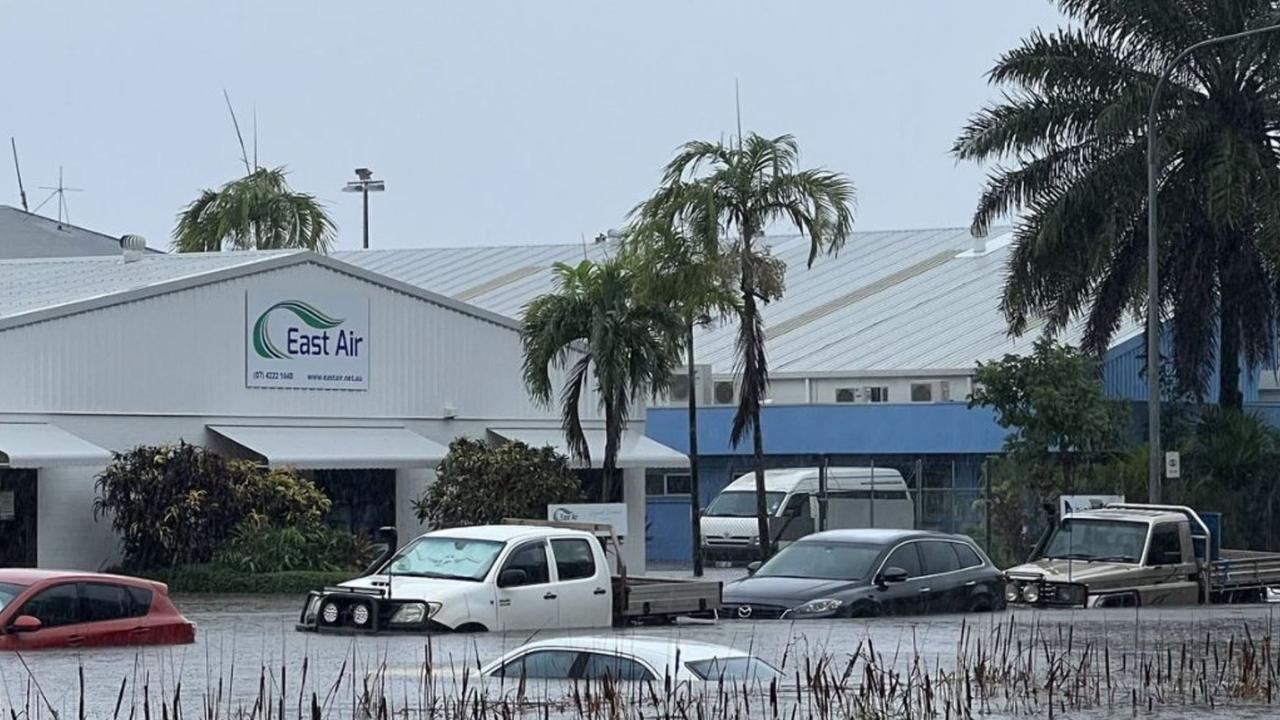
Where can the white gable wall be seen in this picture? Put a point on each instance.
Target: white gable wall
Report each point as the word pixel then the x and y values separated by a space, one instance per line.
pixel 184 352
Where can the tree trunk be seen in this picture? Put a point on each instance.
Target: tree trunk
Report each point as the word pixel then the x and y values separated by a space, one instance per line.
pixel 695 499
pixel 1229 393
pixel 762 509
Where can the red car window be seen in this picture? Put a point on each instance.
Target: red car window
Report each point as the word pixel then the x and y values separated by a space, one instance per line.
pixel 139 601
pixel 99 601
pixel 54 607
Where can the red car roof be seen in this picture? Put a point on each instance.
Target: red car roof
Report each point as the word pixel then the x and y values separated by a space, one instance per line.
pixel 31 576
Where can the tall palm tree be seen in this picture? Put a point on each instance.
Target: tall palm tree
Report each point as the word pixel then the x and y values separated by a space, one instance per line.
pixel 685 270
pixel 1071 130
pixel 594 326
pixel 256 212
pixel 745 189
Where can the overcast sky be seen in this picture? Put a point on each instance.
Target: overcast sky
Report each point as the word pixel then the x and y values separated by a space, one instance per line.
pixel 511 123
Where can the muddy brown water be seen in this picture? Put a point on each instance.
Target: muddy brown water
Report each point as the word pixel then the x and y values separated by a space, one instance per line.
pixel 239 637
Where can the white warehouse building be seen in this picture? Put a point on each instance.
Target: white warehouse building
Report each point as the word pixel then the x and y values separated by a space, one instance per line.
pixel 288 358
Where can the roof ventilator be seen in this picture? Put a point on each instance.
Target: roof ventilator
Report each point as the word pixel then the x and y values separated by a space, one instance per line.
pixel 133 246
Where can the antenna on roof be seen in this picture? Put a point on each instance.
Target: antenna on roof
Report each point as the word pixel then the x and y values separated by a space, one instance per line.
pixel 64 208
pixel 737 104
pixel 244 154
pixel 22 192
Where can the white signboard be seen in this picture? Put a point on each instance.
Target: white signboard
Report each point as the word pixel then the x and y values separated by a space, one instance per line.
pixel 614 514
pixel 301 340
pixel 1068 504
pixel 1172 465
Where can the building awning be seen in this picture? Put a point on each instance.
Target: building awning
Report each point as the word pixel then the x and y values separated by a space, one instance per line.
pixel 635 451
pixel 41 445
pixel 335 448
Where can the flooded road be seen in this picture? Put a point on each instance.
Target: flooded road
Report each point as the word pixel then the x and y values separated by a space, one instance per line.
pixel 245 644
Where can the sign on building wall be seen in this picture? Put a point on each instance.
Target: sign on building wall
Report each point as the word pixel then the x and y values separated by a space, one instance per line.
pixel 301 340
pixel 614 514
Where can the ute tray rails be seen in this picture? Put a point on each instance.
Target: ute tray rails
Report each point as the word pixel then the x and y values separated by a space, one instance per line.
pixel 1244 570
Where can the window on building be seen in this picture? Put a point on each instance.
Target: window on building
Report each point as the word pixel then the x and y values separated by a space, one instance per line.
pixel 921 392
pixel 944 391
pixel 846 395
pixel 668 484
pixel 877 394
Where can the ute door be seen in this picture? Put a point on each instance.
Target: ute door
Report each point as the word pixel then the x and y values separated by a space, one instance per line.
pixel 582 586
pixel 527 599
pixel 910 597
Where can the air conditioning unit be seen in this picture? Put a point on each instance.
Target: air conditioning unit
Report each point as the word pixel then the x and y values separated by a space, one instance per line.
pixel 723 392
pixel 678 392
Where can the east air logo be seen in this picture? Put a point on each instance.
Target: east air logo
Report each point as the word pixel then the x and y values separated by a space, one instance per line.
pixel 343 343
pixel 306 341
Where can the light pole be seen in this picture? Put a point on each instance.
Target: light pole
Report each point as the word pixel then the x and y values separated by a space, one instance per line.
pixel 365 185
pixel 1156 461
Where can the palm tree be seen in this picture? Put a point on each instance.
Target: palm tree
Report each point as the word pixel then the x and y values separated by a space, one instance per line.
pixel 744 190
pixel 688 273
pixel 594 326
pixel 256 212
pixel 1071 128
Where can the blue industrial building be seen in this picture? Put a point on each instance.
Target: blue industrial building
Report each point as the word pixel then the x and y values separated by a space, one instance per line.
pixel 872 354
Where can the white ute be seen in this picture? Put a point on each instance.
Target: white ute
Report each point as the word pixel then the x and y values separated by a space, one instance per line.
pixel 526 575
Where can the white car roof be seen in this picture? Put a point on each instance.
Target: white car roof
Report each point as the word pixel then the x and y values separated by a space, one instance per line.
pixel 784 479
pixel 505 533
pixel 659 652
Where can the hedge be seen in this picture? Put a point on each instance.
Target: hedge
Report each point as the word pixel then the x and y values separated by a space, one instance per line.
pixel 221 580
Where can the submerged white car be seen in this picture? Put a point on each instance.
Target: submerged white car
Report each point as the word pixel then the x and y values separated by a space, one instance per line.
pixel 629 658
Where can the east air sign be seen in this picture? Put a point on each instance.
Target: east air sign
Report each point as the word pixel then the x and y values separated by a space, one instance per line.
pixel 301 340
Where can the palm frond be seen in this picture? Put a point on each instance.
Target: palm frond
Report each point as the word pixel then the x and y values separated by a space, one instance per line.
pixel 255 212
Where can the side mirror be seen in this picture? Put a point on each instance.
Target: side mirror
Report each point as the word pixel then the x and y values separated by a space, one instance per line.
pixel 25 624
pixel 512 578
pixel 753 567
pixel 892 575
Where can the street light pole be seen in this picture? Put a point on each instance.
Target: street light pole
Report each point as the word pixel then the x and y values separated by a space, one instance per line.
pixel 1155 459
pixel 365 185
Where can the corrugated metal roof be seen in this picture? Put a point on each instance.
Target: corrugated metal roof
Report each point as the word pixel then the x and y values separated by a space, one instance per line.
pixel 40 284
pixel 908 300
pixel 27 235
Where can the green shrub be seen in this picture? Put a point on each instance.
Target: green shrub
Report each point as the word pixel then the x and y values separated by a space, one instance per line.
pixel 212 579
pixel 479 484
pixel 177 504
pixel 258 546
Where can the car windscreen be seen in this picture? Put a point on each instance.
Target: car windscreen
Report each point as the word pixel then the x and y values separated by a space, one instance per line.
pixel 737 669
pixel 1107 540
pixel 823 560
pixel 742 503
pixel 8 592
pixel 445 557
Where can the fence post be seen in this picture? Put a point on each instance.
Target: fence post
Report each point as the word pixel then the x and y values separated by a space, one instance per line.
pixel 986 500
pixel 872 496
pixel 822 493
pixel 919 492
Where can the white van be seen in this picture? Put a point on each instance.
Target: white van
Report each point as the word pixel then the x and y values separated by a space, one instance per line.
pixel 730 530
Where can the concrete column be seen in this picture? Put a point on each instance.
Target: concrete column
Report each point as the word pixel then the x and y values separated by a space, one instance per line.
pixel 410 486
pixel 633 494
pixel 67 536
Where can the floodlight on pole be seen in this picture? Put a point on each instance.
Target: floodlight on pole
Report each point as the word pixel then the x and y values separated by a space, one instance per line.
pixel 365 185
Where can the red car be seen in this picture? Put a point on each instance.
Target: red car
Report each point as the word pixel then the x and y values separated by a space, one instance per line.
pixel 42 609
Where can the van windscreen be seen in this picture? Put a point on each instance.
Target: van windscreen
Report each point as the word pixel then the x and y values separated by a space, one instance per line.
pixel 742 503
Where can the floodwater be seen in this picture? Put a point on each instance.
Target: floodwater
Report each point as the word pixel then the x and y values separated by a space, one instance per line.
pixel 247 643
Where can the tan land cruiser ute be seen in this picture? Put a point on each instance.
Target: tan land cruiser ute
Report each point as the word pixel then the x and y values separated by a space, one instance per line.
pixel 1127 555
